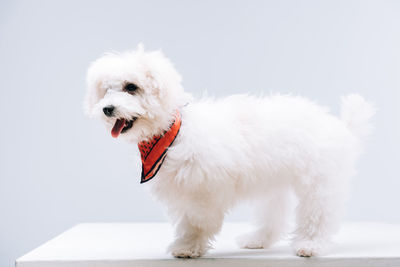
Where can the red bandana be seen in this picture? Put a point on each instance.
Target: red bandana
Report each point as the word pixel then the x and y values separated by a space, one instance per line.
pixel 153 152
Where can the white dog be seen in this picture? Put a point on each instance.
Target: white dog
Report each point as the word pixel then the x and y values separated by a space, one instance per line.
pixel 206 156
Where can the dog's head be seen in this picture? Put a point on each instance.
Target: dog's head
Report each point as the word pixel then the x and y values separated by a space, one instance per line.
pixel 135 93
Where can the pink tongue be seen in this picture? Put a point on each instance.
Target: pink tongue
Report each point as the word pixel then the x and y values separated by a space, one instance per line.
pixel 118 126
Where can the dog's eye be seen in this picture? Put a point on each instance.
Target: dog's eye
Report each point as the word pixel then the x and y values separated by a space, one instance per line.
pixel 130 87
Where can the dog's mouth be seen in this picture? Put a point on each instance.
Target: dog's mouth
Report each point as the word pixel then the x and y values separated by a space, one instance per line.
pixel 121 126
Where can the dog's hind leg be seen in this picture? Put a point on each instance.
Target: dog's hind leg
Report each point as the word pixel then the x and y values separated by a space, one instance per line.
pixel 321 203
pixel 271 216
pixel 194 232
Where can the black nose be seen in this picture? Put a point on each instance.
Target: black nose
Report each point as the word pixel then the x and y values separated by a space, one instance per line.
pixel 108 110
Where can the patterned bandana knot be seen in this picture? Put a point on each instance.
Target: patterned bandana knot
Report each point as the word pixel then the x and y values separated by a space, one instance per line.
pixel 153 152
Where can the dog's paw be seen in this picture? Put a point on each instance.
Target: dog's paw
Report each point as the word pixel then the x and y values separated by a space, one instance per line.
pixel 253 241
pixel 308 248
pixel 181 249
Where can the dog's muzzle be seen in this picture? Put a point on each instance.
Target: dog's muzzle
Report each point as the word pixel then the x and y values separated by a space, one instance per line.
pixel 108 110
pixel 121 126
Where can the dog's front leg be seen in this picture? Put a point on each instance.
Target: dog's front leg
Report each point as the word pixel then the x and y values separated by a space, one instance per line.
pixel 194 233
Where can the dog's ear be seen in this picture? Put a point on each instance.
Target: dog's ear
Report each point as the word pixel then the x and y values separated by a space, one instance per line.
pixel 154 83
pixel 161 74
pixel 92 90
pixel 90 99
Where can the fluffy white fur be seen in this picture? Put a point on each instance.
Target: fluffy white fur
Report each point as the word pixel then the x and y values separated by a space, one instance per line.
pixel 233 149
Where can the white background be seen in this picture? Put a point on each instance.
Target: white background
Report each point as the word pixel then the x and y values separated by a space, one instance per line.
pixel 58 168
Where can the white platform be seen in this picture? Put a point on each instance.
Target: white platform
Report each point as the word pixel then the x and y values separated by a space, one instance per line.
pixel 144 244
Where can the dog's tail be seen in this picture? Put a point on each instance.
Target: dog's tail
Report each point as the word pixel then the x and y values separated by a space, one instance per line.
pixel 356 112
